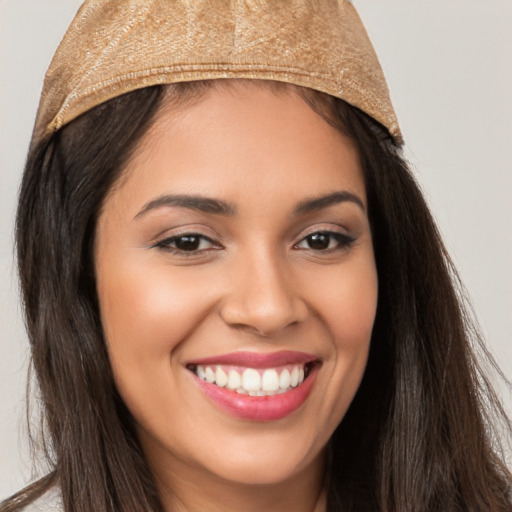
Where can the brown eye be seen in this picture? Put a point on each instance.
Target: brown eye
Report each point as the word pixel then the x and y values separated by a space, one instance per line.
pixel 325 241
pixel 187 242
pixel 319 241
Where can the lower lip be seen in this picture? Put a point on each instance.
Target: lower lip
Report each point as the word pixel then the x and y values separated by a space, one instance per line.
pixel 260 408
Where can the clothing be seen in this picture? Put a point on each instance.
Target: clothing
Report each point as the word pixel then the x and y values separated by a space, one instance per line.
pixel 50 501
pixel 117 46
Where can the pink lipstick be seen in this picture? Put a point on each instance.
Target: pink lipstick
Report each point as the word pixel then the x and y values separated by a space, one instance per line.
pixel 255 386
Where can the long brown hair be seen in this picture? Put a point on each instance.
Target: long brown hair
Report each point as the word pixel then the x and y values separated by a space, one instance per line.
pixel 418 435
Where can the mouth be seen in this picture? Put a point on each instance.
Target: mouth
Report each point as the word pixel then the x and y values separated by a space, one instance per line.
pixel 253 381
pixel 257 386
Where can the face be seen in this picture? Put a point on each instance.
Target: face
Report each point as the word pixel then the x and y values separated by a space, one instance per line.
pixel 237 286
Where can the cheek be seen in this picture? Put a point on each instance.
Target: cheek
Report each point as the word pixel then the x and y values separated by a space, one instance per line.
pixel 347 305
pixel 146 313
pixel 149 309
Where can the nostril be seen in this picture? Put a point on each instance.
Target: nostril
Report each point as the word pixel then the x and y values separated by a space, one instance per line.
pixel 263 316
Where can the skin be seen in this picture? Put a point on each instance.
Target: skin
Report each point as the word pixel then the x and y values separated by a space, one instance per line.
pixel 253 284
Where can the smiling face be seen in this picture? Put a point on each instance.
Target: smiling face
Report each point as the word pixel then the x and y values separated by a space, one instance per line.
pixel 234 258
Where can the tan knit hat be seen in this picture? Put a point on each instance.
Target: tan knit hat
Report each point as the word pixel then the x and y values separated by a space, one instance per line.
pixel 117 46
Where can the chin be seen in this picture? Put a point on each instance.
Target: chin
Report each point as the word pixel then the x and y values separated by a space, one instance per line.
pixel 269 457
pixel 265 469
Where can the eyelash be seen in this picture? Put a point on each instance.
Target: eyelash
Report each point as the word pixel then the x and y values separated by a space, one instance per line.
pixel 343 242
pixel 166 244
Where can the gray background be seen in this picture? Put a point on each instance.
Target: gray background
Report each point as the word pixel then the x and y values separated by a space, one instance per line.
pixel 449 67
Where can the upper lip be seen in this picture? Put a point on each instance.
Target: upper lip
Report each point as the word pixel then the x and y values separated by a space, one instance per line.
pixel 257 359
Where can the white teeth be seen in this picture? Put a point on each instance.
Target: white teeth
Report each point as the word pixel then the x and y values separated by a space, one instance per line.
pixel 251 380
pixel 294 377
pixel 221 379
pixel 270 381
pixel 234 380
pixel 284 379
pixel 209 375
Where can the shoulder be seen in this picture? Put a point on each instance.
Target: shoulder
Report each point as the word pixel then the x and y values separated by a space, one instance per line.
pixel 50 501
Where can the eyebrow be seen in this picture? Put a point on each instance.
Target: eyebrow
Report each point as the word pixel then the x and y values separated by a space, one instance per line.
pixel 197 203
pixel 219 207
pixel 319 203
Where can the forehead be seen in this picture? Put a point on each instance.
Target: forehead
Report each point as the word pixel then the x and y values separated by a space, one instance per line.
pixel 233 135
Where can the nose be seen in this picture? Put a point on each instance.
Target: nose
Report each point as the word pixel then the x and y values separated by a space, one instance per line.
pixel 263 297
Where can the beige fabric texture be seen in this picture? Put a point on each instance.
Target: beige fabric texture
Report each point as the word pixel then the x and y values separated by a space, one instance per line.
pixel 116 46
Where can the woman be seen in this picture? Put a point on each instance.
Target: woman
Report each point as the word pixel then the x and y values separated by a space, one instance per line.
pixel 233 284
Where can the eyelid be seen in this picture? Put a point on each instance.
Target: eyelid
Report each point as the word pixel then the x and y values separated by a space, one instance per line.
pixel 345 238
pixel 183 230
pixel 322 228
pixel 164 240
pixel 170 239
